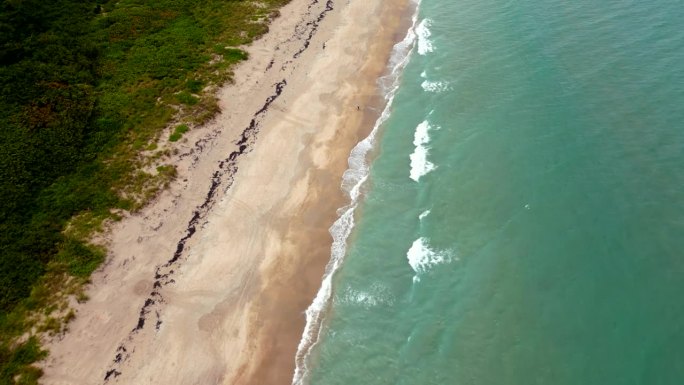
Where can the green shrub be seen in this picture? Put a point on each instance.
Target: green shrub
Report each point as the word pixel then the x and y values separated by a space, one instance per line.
pixel 187 98
pixel 182 128
pixel 235 55
pixel 79 258
pixel 15 362
pixel 178 132
pixel 194 86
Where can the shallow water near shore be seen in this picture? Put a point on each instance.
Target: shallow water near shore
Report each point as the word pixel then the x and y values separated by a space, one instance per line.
pixel 522 218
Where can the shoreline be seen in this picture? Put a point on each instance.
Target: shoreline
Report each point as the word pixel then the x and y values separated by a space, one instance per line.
pixel 353 180
pixel 322 211
pixel 226 290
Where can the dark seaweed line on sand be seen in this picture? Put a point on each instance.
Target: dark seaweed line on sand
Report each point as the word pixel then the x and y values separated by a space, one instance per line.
pixel 226 171
pixel 312 26
pixel 304 31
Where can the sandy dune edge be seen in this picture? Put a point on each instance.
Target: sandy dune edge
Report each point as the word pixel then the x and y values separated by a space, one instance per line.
pixel 208 284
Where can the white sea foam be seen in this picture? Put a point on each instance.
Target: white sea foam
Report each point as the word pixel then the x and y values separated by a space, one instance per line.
pixel 352 180
pixel 362 298
pixel 376 295
pixel 424 43
pixel 423 215
pixel 419 163
pixel 435 86
pixel 422 258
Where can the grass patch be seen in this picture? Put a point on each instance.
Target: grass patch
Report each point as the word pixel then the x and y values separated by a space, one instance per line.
pixel 79 258
pixel 187 98
pixel 231 55
pixel 194 86
pixel 16 362
pixel 178 132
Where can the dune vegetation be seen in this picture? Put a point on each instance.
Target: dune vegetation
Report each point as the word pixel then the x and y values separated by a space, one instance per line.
pixel 89 90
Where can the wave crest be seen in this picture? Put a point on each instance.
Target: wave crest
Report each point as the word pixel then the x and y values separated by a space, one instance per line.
pixel 419 163
pixel 425 45
pixel 422 258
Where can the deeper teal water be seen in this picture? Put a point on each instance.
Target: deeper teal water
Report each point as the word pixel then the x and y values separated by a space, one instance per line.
pixel 553 250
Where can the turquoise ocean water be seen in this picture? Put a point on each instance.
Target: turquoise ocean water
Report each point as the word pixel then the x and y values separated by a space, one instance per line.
pixel 522 218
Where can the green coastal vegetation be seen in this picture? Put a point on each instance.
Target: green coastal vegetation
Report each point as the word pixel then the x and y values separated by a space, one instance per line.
pixel 89 89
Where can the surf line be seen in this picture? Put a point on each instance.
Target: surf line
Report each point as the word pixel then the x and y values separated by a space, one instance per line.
pixel 352 181
pixel 224 175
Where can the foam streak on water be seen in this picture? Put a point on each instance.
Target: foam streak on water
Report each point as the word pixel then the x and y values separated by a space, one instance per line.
pixel 419 163
pixel 434 86
pixel 352 180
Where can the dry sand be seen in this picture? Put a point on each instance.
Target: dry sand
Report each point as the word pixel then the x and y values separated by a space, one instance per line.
pixel 208 285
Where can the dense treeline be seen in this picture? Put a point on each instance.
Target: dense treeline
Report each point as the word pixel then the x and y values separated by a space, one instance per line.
pixel 47 80
pixel 85 86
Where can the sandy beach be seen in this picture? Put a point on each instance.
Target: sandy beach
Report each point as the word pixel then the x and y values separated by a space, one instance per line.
pixel 209 283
